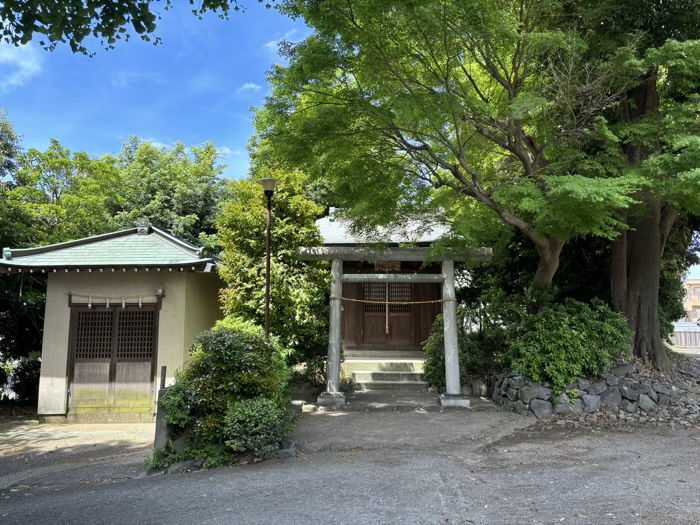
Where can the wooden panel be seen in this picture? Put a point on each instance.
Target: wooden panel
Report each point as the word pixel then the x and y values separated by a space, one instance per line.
pixel 352 315
pixel 132 384
pixel 426 313
pixel 113 352
pixel 374 329
pixel 90 384
pixel 400 330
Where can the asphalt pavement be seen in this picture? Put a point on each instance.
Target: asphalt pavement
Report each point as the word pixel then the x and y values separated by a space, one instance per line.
pixel 480 466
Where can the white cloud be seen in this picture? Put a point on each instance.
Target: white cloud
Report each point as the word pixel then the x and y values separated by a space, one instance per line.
pixel 273 45
pixel 249 86
pixel 225 151
pixel 18 65
pixel 157 143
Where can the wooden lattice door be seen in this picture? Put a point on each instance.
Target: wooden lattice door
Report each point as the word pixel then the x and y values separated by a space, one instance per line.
pixel 388 314
pixel 113 354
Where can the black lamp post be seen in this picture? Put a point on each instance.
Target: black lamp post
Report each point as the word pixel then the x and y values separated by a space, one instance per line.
pixel 269 186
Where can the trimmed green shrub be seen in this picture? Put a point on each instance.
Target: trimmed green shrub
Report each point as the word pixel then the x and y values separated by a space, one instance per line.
pixel 255 426
pixel 233 362
pixel 567 341
pixel 476 351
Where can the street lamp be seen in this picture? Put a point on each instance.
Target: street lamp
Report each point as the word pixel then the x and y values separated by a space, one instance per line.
pixel 269 186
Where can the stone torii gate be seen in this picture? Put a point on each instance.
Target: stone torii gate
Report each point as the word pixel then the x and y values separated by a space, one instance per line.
pixel 333 396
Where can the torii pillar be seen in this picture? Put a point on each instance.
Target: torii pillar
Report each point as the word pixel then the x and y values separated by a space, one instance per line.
pixel 453 391
pixel 333 396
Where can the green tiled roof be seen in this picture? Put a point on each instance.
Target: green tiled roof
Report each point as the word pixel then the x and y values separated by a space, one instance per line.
pixel 123 249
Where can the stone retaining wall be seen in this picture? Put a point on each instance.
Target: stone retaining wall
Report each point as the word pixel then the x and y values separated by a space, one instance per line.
pixel 622 394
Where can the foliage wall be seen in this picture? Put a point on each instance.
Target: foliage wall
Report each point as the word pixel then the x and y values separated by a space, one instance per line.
pixel 299 315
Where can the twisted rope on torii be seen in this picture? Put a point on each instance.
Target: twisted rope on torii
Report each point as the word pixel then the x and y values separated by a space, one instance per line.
pixel 392 302
pixel 388 303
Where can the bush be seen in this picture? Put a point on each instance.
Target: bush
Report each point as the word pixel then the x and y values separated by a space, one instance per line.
pixel 233 362
pixel 316 369
pixel 476 351
pixel 25 379
pixel 564 342
pixel 255 426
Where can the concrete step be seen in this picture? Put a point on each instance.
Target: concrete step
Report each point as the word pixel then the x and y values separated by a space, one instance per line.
pixel 385 354
pixel 391 385
pixel 366 376
pixel 381 365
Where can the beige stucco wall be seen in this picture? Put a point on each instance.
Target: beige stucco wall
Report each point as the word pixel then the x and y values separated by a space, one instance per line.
pixel 202 307
pixel 175 331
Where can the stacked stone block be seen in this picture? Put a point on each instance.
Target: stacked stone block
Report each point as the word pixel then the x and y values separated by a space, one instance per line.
pixel 622 394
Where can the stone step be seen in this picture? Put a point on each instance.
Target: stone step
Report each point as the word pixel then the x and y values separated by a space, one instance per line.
pixel 366 376
pixel 381 365
pixel 391 385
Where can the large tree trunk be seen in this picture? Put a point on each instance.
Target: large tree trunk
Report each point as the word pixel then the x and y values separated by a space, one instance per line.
pixel 636 254
pixel 548 263
pixel 636 267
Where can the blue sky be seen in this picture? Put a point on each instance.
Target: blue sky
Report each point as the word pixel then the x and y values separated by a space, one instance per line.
pixel 198 85
pixel 693 272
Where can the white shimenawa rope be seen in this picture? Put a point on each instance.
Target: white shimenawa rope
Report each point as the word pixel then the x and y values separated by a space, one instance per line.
pixel 113 299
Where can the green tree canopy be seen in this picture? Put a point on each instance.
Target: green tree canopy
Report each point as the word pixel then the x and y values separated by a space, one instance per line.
pixel 177 188
pixel 63 195
pixel 299 314
pixel 477 99
pixel 21 303
pixel 9 146
pixel 47 197
pixel 72 21
pixel 565 119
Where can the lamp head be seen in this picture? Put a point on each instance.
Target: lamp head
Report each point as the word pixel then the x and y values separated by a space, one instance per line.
pixel 268 185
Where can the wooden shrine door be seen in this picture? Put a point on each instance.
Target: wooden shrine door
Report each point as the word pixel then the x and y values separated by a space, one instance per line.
pixel 113 353
pixel 385 324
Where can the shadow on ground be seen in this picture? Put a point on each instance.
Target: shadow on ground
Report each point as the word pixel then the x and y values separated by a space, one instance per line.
pixel 45 455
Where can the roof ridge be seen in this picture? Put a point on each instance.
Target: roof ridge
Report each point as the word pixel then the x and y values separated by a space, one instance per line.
pixel 9 253
pixel 178 243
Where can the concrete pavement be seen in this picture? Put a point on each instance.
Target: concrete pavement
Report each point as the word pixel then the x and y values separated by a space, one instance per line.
pixel 44 455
